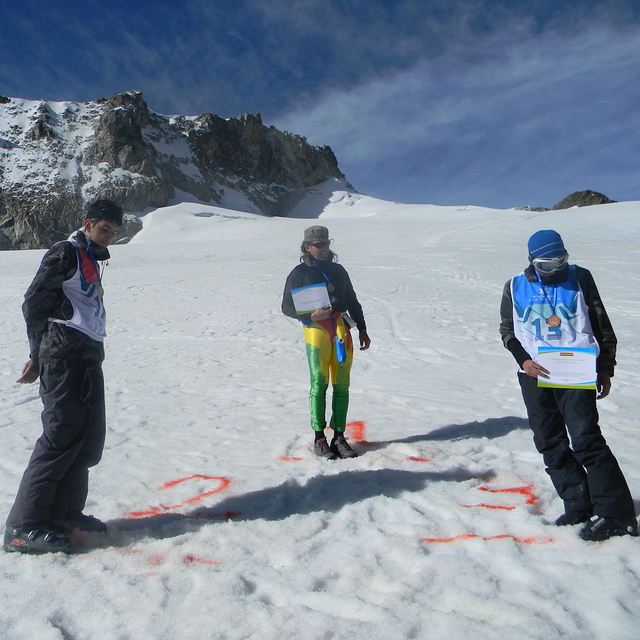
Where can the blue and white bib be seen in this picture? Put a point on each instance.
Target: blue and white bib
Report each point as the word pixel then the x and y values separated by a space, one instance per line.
pixel 535 302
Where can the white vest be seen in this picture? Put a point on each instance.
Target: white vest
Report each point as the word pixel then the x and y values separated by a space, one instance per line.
pixel 84 291
pixel 534 303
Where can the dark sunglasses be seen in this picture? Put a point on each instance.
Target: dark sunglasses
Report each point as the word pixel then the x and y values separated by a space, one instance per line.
pixel 320 245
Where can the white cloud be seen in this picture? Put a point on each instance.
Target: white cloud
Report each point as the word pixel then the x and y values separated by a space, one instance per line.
pixel 509 117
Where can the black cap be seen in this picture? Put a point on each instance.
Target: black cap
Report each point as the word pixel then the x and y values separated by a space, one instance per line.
pixel 107 210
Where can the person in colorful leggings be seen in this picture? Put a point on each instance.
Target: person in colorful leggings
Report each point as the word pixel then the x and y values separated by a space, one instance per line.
pixel 327 336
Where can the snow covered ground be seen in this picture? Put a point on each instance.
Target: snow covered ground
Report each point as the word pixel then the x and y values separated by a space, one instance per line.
pixel 222 522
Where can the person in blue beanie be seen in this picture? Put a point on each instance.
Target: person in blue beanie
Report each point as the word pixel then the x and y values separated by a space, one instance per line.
pixel 555 304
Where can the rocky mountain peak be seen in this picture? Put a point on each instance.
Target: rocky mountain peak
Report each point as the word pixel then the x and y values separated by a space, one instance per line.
pixel 118 135
pixel 42 124
pixel 57 157
pixel 583 199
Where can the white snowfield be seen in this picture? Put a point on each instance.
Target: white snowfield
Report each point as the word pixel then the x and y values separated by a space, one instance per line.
pixel 222 522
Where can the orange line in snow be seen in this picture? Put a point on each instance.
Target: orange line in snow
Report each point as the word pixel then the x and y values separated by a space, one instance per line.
pixel 531 498
pixel 289 459
pixel 357 430
pixel 418 459
pixel 467 536
pixel 154 511
pixel 464 536
pixel 154 561
pixel 189 559
pixel 525 491
pixel 486 506
pixel 173 483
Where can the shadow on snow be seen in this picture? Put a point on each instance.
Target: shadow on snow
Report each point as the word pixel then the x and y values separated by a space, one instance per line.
pixel 490 428
pixel 328 493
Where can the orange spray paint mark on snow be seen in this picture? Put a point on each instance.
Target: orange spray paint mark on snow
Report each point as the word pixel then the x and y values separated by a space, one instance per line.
pixel 289 459
pixel 172 483
pixel 157 560
pixel 415 459
pixel 154 511
pixel 357 430
pixel 189 559
pixel 487 506
pixel 468 536
pixel 527 491
pixel 154 561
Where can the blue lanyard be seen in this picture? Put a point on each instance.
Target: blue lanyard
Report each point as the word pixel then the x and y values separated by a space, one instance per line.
pixel 546 297
pixel 326 277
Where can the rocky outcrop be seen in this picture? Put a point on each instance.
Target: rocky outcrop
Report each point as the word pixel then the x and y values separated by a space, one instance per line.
pixel 56 158
pixel 273 167
pixel 530 208
pixel 577 199
pixel 583 199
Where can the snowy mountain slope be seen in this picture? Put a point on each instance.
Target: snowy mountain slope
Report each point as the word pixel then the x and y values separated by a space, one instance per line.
pixel 438 530
pixel 57 157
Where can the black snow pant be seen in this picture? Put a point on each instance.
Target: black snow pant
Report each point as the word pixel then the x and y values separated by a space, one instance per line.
pixel 585 473
pixel 55 483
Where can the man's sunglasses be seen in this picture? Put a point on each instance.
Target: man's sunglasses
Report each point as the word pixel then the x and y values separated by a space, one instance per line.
pixel 320 245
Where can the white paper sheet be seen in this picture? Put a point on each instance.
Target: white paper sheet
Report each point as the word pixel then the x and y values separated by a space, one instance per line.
pixel 568 368
pixel 308 299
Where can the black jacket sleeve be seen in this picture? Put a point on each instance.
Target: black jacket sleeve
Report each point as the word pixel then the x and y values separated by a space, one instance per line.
pixel 294 280
pixel 600 323
pixel 45 296
pixel 354 308
pixel 506 327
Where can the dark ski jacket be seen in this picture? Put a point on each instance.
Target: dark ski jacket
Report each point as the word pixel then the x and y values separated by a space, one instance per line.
pixel 600 323
pixel 45 299
pixel 343 297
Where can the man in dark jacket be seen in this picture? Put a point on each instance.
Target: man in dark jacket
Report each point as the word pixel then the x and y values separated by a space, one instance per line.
pixel 65 320
pixel 327 336
pixel 556 305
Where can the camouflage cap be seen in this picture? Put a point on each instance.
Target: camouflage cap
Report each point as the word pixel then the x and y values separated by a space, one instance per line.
pixel 316 234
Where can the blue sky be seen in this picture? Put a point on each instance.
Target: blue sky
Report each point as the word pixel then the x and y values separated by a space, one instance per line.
pixel 481 102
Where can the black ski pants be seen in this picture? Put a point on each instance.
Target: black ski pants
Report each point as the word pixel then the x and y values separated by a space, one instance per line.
pixel 585 472
pixel 55 483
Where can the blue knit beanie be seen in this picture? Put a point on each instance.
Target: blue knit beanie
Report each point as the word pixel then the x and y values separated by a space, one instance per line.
pixel 546 244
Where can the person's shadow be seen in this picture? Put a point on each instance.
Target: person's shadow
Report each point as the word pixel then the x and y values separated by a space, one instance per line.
pixel 328 493
pixel 490 428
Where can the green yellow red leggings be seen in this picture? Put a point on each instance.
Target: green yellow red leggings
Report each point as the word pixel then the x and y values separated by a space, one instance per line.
pixel 323 366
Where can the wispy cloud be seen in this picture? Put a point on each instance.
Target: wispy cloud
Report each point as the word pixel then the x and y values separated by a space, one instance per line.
pixel 495 101
pixel 249 55
pixel 514 119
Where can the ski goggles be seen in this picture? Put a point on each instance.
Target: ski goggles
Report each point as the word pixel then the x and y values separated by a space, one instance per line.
pixel 548 265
